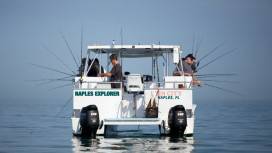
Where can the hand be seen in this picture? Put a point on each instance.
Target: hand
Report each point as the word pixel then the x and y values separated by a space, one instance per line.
pixel 197 82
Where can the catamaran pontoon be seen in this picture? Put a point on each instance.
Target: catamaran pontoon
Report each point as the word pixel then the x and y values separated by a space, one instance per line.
pixel 140 100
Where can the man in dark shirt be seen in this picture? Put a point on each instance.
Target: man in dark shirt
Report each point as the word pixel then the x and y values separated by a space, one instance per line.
pixel 186 67
pixel 116 72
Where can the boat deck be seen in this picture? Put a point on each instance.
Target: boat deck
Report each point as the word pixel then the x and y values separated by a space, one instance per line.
pixel 133 121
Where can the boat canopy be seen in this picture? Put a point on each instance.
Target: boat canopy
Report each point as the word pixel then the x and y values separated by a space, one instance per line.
pixel 135 51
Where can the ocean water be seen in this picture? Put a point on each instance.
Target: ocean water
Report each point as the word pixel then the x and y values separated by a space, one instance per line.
pixel 220 127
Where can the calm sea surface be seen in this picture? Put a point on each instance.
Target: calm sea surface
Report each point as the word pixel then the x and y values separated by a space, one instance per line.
pixel 220 127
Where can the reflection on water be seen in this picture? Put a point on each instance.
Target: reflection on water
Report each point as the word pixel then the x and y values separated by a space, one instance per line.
pixel 141 144
pixel 133 139
pixel 220 127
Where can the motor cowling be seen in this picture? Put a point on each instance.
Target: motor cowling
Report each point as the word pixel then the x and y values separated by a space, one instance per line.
pixel 89 121
pixel 177 120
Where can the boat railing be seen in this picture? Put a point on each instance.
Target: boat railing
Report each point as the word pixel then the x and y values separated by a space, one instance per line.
pixel 168 85
pixel 97 85
pixel 147 85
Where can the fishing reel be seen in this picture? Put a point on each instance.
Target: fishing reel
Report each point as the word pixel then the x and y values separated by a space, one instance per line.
pixel 81 80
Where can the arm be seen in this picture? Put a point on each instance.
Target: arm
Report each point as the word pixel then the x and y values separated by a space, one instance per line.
pixel 108 74
pixel 195 81
pixel 179 73
pixel 176 73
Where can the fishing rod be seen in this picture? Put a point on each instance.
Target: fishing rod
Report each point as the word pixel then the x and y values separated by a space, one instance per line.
pixel 69 48
pixel 48 79
pixel 56 80
pixel 51 81
pixel 213 76
pixel 51 69
pixel 65 85
pixel 81 46
pixel 81 70
pixel 220 81
pixel 59 59
pixel 224 89
pixel 217 74
pixel 210 52
pixel 198 46
pixel 193 46
pixel 215 59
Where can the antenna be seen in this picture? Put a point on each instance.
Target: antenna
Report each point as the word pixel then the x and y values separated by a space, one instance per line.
pixel 121 36
pixel 113 43
pixel 81 45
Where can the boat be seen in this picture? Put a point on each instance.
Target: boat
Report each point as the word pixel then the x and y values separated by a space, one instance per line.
pixel 141 99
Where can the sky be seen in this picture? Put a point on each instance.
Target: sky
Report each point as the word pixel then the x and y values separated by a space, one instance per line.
pixel 27 26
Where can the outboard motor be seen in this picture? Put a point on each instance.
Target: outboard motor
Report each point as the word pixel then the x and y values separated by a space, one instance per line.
pixel 177 121
pixel 89 121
